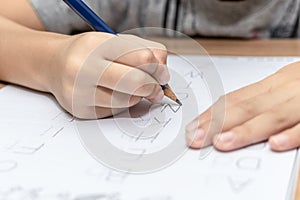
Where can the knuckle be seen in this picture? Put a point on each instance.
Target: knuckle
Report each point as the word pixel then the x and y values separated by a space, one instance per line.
pixel 146 56
pixel 278 117
pixel 247 108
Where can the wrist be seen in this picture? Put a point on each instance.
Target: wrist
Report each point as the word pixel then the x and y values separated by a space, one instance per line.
pixel 51 60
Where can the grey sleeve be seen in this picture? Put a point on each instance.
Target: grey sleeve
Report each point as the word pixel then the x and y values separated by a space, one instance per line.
pixel 298 28
pixel 58 17
pixel 119 15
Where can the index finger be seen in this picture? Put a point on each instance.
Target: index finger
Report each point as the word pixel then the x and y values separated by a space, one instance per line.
pixel 146 55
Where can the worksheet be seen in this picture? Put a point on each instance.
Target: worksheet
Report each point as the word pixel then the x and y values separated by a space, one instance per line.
pixel 139 154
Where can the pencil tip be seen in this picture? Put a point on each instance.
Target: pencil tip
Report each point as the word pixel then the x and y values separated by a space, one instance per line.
pixel 179 102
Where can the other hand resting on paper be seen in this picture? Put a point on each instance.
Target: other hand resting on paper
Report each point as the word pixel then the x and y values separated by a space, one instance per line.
pixel 266 110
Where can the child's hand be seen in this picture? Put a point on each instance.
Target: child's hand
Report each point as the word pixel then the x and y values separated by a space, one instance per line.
pixel 267 110
pixel 117 75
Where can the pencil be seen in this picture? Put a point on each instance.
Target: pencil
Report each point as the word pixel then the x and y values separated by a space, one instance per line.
pixel 81 9
pixel 170 94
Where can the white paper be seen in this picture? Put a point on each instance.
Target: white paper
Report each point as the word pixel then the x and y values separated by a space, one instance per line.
pixel 42 157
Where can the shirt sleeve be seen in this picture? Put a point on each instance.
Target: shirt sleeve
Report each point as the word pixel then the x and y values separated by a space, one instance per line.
pixel 58 17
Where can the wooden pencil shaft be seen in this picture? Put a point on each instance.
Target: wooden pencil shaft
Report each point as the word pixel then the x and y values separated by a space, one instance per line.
pixel 169 93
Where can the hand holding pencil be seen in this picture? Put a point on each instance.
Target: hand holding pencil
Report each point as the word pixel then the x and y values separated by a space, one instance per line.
pixel 96 75
pixel 98 24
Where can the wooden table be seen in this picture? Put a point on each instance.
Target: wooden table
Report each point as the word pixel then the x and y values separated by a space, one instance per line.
pixel 287 47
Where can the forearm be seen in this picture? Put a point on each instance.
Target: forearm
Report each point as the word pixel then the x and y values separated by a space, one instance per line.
pixel 22 12
pixel 26 54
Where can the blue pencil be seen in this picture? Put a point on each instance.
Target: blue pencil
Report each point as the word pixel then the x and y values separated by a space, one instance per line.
pixel 89 16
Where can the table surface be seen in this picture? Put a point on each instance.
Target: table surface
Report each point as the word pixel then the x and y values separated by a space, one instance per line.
pixel 277 47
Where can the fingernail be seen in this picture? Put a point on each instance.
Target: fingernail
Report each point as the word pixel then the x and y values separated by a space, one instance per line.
pixel 279 140
pixel 196 135
pixel 224 137
pixel 192 126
